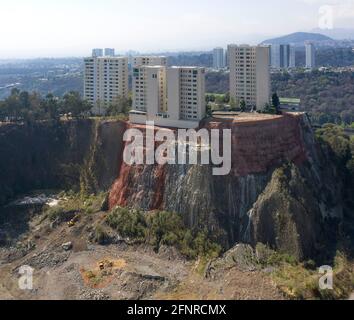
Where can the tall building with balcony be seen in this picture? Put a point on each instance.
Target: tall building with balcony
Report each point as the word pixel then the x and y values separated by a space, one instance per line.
pixel 250 75
pixel 171 97
pixel 219 58
pixel 310 55
pixel 105 80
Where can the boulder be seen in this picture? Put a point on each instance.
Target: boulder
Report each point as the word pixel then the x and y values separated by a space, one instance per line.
pixel 67 246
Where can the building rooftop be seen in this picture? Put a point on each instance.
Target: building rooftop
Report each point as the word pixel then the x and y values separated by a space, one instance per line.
pixel 186 67
pixel 244 116
pixel 106 57
pixel 248 46
pixel 150 67
pixel 149 56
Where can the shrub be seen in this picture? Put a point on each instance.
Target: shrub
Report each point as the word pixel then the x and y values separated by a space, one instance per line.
pixel 101 237
pixel 300 282
pixel 55 213
pixel 162 228
pixel 128 223
pixel 269 257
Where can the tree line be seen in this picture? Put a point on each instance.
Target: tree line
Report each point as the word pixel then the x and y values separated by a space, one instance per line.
pixel 26 107
pixel 327 96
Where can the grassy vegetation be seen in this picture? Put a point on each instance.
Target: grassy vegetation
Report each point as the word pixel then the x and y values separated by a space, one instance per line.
pixel 100 235
pixel 120 116
pixel 129 223
pixel 71 202
pixel 162 228
pixel 299 281
pixel 290 101
pixel 268 257
pixel 157 229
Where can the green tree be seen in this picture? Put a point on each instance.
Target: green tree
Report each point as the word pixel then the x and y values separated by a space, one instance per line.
pixel 233 104
pixel 243 105
pixel 13 105
pixel 227 97
pixel 337 140
pixel 121 105
pixel 50 107
pixel 74 104
pixel 3 111
pixel 276 103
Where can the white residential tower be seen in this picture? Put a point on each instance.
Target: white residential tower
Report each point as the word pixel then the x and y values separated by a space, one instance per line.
pixel 105 80
pixel 250 75
pixel 171 97
pixel 310 55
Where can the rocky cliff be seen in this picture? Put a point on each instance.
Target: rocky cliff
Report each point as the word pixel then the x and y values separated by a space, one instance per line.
pixel 281 190
pixel 59 155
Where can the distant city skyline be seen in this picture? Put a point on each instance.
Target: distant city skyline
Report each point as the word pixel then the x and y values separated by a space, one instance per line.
pixel 44 28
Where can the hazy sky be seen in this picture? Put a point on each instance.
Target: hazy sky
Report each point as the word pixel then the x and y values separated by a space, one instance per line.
pixel 33 28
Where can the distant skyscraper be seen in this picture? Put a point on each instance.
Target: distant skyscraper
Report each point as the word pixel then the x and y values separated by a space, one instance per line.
pixel 275 56
pixel 280 56
pixel 97 52
pixel 285 56
pixel 292 63
pixel 149 61
pixel 250 75
pixel 310 55
pixel 226 58
pixel 109 52
pixel 218 58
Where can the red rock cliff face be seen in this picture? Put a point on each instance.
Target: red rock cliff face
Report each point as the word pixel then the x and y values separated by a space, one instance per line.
pixel 138 183
pixel 276 193
pixel 257 145
pixel 261 144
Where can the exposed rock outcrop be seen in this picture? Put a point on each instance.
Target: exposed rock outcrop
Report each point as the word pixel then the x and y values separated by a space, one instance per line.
pixel 282 189
pixel 49 155
pixel 280 192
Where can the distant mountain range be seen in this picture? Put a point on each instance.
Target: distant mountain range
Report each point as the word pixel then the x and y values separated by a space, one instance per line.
pixel 298 38
pixel 337 33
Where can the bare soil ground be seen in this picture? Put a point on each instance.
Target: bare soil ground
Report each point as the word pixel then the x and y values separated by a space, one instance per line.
pixel 117 271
